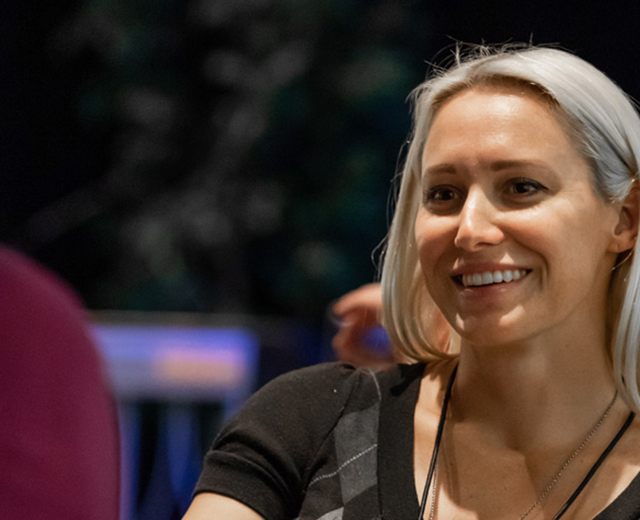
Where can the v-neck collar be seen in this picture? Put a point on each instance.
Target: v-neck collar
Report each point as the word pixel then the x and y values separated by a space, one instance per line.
pixel 396 480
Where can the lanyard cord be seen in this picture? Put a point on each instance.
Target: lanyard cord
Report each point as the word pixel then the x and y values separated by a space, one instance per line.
pixel 567 504
pixel 436 446
pixel 595 467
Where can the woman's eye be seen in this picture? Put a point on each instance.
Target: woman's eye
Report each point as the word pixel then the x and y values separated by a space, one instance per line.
pixel 439 194
pixel 525 187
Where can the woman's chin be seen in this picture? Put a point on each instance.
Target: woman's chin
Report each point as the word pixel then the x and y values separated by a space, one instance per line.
pixel 491 331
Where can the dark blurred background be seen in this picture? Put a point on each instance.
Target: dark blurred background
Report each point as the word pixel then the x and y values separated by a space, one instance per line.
pixel 233 156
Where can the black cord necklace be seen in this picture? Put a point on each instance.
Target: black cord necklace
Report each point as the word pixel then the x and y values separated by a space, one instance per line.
pixel 567 504
pixel 436 446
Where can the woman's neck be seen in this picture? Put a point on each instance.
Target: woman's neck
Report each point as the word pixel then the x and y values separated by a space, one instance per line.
pixel 527 394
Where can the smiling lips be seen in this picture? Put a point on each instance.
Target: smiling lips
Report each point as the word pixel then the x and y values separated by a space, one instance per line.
pixel 489 278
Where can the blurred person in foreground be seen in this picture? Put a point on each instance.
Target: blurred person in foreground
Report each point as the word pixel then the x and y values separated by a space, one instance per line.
pixel 59 446
pixel 516 221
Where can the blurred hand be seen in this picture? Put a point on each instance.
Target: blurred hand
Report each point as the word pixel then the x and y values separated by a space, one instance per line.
pixel 360 339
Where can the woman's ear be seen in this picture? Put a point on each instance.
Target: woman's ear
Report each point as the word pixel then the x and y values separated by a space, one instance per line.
pixel 626 231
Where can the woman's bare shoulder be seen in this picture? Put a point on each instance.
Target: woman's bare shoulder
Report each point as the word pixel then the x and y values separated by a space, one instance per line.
pixel 434 382
pixel 628 450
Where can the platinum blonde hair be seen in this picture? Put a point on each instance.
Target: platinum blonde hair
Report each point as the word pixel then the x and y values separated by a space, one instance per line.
pixel 603 124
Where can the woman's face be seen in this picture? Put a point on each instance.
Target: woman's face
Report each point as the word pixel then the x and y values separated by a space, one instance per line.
pixel 513 240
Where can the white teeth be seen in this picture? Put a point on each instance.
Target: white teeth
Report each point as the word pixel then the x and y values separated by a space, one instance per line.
pixel 488 278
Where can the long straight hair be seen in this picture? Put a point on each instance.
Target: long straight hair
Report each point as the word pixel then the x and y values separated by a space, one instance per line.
pixel 603 124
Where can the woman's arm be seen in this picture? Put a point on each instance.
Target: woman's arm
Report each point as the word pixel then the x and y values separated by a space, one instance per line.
pixel 261 455
pixel 209 506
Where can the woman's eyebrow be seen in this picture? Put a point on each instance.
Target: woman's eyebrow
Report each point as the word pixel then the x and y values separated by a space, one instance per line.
pixel 450 169
pixel 446 168
pixel 518 163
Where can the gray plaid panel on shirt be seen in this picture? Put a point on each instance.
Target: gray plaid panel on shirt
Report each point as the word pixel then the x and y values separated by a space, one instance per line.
pixel 356 440
pixel 347 489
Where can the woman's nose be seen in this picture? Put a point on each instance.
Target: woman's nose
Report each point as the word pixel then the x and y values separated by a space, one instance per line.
pixel 478 226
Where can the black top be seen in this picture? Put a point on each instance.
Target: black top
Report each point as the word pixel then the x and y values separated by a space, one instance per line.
pixel 333 443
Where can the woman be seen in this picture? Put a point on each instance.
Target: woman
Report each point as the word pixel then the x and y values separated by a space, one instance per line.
pixel 516 220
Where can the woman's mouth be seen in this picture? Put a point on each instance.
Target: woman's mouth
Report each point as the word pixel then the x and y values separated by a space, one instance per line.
pixel 490 278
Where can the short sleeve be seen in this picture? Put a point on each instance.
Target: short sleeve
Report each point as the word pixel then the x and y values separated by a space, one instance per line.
pixel 261 458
